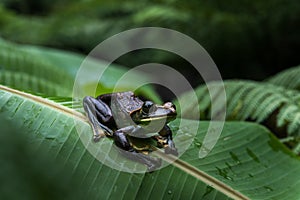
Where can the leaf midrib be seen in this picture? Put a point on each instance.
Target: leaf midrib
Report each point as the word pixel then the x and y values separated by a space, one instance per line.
pixel 189 169
pixel 201 175
pixel 46 102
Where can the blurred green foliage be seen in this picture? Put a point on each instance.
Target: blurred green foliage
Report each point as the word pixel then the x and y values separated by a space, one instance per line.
pixel 30 174
pixel 246 39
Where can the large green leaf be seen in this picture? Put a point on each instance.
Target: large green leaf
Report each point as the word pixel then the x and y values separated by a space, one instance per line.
pixel 247 161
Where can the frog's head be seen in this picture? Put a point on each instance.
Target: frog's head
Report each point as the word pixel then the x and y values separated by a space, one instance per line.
pixel 151 112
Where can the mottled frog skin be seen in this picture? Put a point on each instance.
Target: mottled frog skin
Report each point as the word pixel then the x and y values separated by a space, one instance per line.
pixel 123 115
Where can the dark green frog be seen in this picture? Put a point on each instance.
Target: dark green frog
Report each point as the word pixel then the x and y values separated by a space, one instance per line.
pixel 123 116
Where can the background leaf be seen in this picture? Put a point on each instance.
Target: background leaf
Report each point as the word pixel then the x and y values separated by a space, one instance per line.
pixel 289 78
pixel 27 71
pixel 243 33
pixel 273 106
pixel 53 72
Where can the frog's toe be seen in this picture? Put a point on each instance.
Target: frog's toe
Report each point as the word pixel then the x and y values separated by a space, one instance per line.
pixel 154 164
pixel 173 151
pixel 152 168
pixel 97 138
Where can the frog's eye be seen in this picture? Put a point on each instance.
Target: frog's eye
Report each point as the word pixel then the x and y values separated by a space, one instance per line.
pixel 146 106
pixel 173 106
pixel 169 105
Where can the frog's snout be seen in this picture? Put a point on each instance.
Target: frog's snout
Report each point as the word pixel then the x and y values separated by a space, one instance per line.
pixel 170 106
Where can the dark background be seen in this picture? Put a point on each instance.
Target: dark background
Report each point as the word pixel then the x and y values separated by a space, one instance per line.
pixel 246 39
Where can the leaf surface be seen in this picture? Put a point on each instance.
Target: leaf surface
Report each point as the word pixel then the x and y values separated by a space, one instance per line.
pixel 247 161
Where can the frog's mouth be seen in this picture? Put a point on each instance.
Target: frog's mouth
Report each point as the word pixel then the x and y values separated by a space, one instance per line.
pixel 155 118
pixel 164 116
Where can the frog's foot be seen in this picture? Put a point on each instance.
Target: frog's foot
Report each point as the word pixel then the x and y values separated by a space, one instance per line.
pixel 97 138
pixel 161 141
pixel 98 134
pixel 171 150
pixel 168 145
pixel 151 163
pixel 128 151
pixel 155 164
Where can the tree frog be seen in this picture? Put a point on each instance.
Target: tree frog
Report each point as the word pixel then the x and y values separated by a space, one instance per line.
pixel 123 115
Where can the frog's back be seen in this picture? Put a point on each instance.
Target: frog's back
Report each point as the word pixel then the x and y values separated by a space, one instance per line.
pixel 122 105
pixel 127 101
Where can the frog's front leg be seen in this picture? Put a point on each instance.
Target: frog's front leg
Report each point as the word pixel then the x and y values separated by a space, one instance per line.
pixel 99 114
pixel 121 140
pixel 167 134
